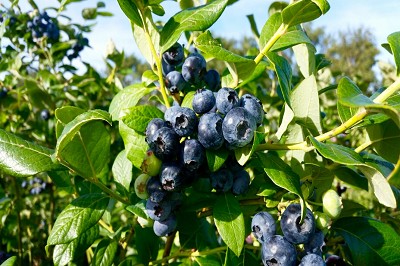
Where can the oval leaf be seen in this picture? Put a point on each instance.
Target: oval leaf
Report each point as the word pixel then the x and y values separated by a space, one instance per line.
pixel 21 158
pixel 371 242
pixel 229 220
pixel 193 19
pixel 122 170
pixel 80 215
pixel 138 117
pixel 304 11
pixel 105 253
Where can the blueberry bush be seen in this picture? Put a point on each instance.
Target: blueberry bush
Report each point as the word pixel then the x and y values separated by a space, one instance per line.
pixel 263 163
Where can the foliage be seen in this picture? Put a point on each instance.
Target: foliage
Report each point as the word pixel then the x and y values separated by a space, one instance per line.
pixel 315 136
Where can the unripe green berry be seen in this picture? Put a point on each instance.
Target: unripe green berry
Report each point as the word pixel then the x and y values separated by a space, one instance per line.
pixel 141 186
pixel 151 165
pixel 322 220
pixel 332 203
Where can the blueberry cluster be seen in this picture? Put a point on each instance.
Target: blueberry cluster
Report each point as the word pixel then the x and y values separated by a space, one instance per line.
pixel 78 46
pixel 43 26
pixel 35 185
pixel 281 250
pixel 178 143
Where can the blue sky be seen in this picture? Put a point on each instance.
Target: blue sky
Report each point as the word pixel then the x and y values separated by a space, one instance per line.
pixel 381 17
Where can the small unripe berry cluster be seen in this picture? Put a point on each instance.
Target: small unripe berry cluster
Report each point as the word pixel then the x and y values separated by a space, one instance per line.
pixel 43 26
pixel 178 143
pixel 281 250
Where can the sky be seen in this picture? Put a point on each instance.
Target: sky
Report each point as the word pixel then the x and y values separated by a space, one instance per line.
pixel 380 17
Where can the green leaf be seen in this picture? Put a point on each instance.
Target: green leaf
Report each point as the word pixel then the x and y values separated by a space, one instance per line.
pixel 66 253
pixel 291 38
pixel 270 27
pixel 243 154
pixel 21 158
pixel 351 177
pixel 337 153
pixel 135 144
pixel 141 38
pixel 385 139
pixel 228 218
pixel 371 242
pixel 80 215
pixel 216 158
pixel 38 97
pixel 380 186
pixel 283 71
pixel 11 261
pixel 64 115
pixel 149 244
pixel 122 170
pixel 394 177
pixel 131 11
pixel 197 18
pixel 394 43
pixel 253 25
pixel 281 174
pixel 351 96
pixel 84 144
pixel 304 11
pixel 243 66
pixel 137 117
pixel 127 98
pixel 105 253
pixel 305 58
pixel 305 105
pixel 139 209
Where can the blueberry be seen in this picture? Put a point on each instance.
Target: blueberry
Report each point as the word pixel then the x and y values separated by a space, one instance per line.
pixel 212 79
pixel 253 106
pixel 222 180
pixel 170 113
pixel 276 250
pixel 154 125
pixel 238 127
pixel 192 154
pixel 194 68
pixel 209 131
pixel 241 182
pixel 45 114
pixel 158 211
pixel 166 68
pixel 312 260
pixel 155 191
pixel 174 55
pixel 293 231
pixel 3 93
pixel 226 100
pixel 334 260
pixel 263 226
pixel 183 120
pixel 174 82
pixel 171 176
pixel 164 143
pixel 315 244
pixel 203 101
pixel 166 227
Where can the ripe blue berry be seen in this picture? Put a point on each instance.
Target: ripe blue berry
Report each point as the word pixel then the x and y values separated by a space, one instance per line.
pixel 276 250
pixel 166 68
pixel 315 244
pixel 312 260
pixel 253 106
pixel 194 68
pixel 222 180
pixel 183 120
pixel 241 182
pixel 295 232
pixel 3 93
pixel 209 131
pixel 174 82
pixel 171 176
pixel 158 211
pixel 166 227
pixel 213 80
pixel 203 101
pixel 226 100
pixel 263 226
pixel 238 127
pixel 155 191
pixel 164 143
pixel 154 125
pixel 174 55
pixel 192 155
